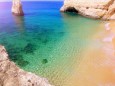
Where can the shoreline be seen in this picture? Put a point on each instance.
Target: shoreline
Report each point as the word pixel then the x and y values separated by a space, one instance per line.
pixel 10 72
pixel 97 66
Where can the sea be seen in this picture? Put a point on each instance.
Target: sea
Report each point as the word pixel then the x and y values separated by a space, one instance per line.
pixel 58 46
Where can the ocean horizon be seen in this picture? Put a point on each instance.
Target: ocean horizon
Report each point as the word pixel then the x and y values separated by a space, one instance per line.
pixel 37 1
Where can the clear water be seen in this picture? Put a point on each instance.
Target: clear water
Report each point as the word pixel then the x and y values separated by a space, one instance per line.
pixel 45 41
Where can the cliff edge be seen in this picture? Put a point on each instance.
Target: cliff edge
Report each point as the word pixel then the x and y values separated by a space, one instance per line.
pixel 99 9
pixel 17 8
pixel 11 75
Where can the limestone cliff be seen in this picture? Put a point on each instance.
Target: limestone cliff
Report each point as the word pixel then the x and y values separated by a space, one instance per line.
pixel 11 75
pixel 100 9
pixel 17 8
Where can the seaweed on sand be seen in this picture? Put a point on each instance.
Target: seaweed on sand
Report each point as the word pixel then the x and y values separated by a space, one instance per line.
pixel 45 41
pixel 29 48
pixel 44 61
pixel 16 55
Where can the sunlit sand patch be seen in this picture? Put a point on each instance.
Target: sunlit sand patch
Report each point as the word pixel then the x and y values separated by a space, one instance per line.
pixel 97 68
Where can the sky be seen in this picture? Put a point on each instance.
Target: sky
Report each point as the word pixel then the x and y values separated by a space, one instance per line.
pixel 31 0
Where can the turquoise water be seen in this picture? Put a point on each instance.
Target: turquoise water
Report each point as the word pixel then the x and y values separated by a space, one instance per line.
pixel 45 41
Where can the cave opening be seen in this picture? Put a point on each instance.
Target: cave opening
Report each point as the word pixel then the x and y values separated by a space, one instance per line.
pixel 72 9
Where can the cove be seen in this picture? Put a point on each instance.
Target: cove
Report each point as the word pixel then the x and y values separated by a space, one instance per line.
pixel 58 46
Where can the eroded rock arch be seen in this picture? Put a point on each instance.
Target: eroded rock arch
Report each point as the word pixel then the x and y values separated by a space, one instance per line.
pixel 99 9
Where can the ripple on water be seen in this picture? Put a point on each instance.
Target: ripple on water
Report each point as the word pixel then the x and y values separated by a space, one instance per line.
pixel 48 45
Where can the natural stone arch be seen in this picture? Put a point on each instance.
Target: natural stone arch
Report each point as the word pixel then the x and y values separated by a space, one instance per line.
pixel 17 8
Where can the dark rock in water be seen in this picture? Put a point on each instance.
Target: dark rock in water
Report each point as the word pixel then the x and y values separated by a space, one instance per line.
pixel 45 41
pixel 30 48
pixel 44 61
pixel 22 63
pixel 16 55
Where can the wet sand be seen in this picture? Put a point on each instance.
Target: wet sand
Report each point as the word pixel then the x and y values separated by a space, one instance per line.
pixel 97 67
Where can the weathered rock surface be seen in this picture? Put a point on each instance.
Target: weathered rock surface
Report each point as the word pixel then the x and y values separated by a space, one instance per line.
pixel 11 75
pixel 100 9
pixel 17 8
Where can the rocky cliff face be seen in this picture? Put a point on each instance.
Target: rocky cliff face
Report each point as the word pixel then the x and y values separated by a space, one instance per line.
pixel 101 9
pixel 11 75
pixel 17 8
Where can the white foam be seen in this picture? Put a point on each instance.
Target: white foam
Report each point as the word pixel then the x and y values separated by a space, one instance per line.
pixel 107 26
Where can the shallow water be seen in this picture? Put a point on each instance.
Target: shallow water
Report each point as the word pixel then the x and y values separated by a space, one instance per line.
pixel 63 47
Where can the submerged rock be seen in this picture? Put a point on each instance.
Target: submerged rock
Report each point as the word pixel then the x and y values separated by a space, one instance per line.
pixel 11 75
pixel 17 8
pixel 44 61
pixel 30 48
pixel 100 9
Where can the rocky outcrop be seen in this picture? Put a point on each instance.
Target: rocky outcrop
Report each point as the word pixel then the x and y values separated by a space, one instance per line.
pixel 11 75
pixel 99 9
pixel 17 8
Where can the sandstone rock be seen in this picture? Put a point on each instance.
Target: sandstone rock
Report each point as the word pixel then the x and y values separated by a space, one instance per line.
pixel 100 9
pixel 17 8
pixel 11 75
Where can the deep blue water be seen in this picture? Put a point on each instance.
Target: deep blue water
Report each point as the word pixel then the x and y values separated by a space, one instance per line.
pixel 34 13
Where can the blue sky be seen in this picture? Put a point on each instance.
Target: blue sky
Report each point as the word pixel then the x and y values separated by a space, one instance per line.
pixel 32 0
